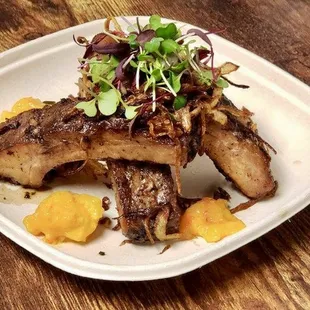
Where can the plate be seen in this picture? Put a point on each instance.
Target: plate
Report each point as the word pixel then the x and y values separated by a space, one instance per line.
pixel 47 68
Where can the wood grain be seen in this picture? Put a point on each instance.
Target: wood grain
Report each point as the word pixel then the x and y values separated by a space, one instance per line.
pixel 270 273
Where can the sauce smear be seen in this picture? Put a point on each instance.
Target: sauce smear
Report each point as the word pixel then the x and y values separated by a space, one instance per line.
pixel 209 219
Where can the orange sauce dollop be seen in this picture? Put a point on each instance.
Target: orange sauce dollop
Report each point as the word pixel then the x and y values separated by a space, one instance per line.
pixel 20 106
pixel 209 219
pixel 65 215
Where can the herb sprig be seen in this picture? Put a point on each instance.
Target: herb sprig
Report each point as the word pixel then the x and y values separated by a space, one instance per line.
pixel 158 56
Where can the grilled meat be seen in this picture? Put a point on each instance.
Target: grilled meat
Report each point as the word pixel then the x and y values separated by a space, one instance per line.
pixel 146 200
pixel 36 141
pixel 238 152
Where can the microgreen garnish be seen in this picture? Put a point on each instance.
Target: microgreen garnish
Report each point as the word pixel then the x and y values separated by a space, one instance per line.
pixel 175 81
pixel 179 67
pixel 150 58
pixel 169 46
pixel 155 22
pixel 104 68
pixel 132 41
pixel 222 83
pixel 108 102
pixel 89 107
pixel 204 77
pixel 167 32
pixel 179 102
pixel 131 111
pixel 153 45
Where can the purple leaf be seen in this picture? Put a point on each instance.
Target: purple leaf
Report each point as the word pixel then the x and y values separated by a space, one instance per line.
pixel 89 51
pixel 145 36
pixel 119 72
pixel 203 53
pixel 98 38
pixel 118 49
pixel 200 34
pixel 204 36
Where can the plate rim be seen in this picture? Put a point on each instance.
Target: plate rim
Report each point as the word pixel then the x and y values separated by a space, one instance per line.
pixel 77 266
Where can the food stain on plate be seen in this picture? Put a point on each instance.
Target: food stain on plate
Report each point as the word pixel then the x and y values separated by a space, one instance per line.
pixel 17 195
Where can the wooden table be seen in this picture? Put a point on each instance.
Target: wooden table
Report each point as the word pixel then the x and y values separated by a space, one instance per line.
pixel 270 273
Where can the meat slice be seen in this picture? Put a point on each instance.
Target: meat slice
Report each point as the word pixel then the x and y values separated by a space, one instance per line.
pixel 239 153
pixel 36 141
pixel 146 200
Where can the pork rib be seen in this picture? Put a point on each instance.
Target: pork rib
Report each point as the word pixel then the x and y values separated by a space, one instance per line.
pixel 146 200
pixel 36 141
pixel 239 153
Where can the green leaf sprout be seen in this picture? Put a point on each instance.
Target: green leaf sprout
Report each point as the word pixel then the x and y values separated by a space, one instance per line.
pixel 167 32
pixel 222 83
pixel 153 45
pixel 175 81
pixel 89 107
pixel 169 46
pixel 155 22
pixel 179 102
pixel 131 111
pixel 108 102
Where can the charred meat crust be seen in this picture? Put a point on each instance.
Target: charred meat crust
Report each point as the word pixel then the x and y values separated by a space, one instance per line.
pixel 243 125
pixel 240 154
pixel 40 140
pixel 142 191
pixel 35 125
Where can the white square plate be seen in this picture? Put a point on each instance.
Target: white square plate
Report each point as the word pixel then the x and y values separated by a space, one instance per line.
pixel 47 68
